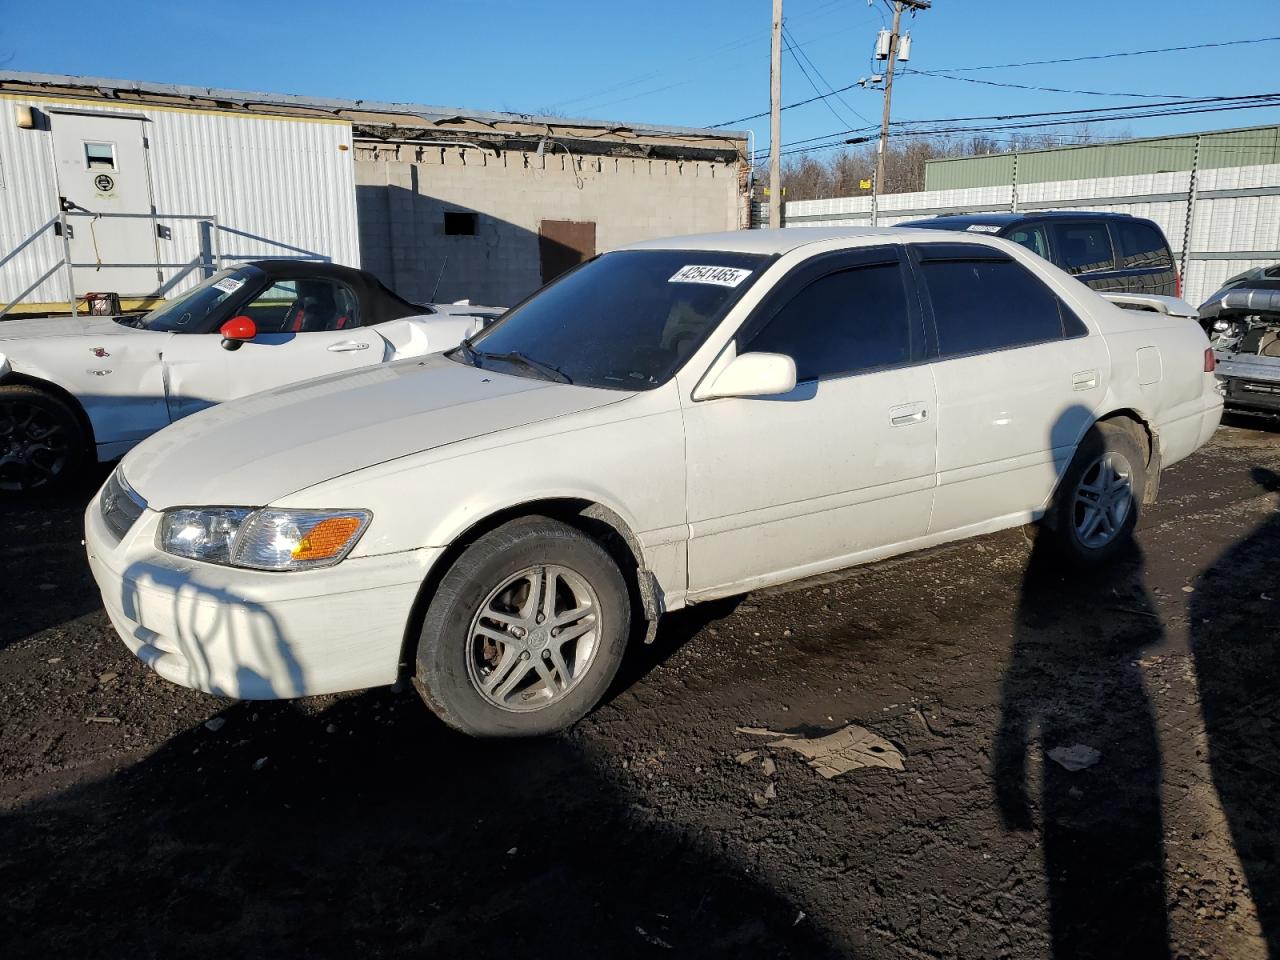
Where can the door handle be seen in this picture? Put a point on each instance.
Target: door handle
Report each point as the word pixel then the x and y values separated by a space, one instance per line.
pixel 1084 380
pixel 346 346
pixel 907 414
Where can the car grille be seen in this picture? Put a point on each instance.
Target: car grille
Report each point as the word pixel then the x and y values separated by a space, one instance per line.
pixel 121 507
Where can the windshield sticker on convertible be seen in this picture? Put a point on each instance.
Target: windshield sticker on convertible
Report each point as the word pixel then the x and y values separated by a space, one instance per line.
pixel 229 284
pixel 720 276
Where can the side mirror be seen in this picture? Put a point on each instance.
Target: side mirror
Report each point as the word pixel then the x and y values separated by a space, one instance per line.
pixel 236 331
pixel 753 375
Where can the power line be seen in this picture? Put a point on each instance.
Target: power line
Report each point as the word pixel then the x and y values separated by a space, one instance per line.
pixel 1063 118
pixel 1024 86
pixel 1027 63
pixel 816 13
pixel 1080 115
pixel 785 106
pixel 1111 56
pixel 796 49
pixel 786 39
pixel 955 131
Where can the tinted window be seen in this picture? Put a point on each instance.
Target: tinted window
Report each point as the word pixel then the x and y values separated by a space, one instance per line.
pixel 982 305
pixel 1031 236
pixel 303 306
pixel 1141 245
pixel 625 320
pixel 844 322
pixel 1082 247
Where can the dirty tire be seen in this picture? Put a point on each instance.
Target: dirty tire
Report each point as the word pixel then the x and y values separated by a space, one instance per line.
pixel 447 675
pixel 42 443
pixel 1065 524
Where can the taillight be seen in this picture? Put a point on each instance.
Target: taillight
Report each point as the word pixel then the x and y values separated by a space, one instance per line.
pixel 1177 284
pixel 1210 361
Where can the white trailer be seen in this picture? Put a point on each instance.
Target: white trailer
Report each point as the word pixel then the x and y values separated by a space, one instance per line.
pixel 105 189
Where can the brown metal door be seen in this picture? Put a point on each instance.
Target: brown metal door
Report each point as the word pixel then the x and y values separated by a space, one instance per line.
pixel 563 244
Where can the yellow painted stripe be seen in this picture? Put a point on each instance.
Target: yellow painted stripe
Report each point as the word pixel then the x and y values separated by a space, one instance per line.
pixel 127 304
pixel 142 105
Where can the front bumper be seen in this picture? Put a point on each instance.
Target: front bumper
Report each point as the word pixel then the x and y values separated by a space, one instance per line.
pixel 250 634
pixel 1251 382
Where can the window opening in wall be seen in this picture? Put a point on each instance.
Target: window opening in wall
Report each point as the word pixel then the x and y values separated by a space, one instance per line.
pixel 100 156
pixel 458 224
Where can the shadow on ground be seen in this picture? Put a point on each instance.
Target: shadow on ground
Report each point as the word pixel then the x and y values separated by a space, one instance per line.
pixel 44 577
pixel 371 830
pixel 1074 693
pixel 1235 618
pixel 1074 681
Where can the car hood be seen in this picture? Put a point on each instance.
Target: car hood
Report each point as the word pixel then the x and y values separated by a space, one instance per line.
pixel 39 328
pixel 256 450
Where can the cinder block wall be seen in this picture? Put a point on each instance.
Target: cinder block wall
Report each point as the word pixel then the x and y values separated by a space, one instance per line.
pixel 403 192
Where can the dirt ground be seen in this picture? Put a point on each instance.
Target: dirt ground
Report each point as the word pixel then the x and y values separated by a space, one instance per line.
pixel 140 819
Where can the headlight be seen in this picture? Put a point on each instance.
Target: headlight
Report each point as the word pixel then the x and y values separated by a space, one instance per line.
pixel 265 539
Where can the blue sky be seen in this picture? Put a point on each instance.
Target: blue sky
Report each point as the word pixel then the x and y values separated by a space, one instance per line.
pixel 692 63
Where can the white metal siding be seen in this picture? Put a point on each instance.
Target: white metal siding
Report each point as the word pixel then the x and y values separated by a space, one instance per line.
pixel 28 200
pixel 286 184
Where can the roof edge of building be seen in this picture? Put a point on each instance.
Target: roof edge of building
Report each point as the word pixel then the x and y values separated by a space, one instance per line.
pixel 105 88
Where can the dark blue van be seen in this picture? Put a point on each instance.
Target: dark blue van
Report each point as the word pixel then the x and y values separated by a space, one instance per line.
pixel 1111 252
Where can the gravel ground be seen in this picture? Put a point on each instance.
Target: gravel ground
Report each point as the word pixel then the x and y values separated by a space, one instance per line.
pixel 141 819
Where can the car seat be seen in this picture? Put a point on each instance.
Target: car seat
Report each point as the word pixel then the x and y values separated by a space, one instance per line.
pixel 315 309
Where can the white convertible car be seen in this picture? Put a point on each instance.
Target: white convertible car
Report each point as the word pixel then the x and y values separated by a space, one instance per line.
pixel 77 389
pixel 672 422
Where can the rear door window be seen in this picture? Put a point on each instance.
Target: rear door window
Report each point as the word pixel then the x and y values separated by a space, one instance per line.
pixel 1082 247
pixel 1141 246
pixel 1032 236
pixel 983 305
pixel 845 322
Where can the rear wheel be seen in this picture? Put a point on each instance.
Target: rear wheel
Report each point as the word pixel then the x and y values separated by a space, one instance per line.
pixel 525 632
pixel 41 440
pixel 1096 509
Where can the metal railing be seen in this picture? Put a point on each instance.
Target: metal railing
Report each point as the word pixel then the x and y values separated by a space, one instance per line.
pixel 209 258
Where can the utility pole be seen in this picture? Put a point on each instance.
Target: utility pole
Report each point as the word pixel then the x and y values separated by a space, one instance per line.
pixel 898 7
pixel 775 119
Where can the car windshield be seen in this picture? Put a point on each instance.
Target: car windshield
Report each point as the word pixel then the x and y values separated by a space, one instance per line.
pixel 193 311
pixel 624 321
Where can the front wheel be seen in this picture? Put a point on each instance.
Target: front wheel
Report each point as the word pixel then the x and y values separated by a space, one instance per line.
pixel 41 440
pixel 525 632
pixel 1096 507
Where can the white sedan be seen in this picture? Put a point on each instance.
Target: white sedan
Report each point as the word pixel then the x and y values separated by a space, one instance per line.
pixel 669 423
pixel 89 388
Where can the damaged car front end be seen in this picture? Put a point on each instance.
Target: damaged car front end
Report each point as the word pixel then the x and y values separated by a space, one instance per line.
pixel 1243 325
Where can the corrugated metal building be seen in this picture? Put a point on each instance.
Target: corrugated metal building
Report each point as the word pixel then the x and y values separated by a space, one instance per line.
pixel 1243 147
pixel 166 181
pixel 169 181
pixel 1216 195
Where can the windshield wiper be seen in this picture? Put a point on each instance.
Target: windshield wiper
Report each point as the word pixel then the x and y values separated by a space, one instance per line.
pixel 469 352
pixel 518 358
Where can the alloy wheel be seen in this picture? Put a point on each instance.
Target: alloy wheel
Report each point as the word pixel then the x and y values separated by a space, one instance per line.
pixel 534 638
pixel 34 446
pixel 1102 501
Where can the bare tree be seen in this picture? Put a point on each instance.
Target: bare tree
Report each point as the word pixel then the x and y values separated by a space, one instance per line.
pixel 842 174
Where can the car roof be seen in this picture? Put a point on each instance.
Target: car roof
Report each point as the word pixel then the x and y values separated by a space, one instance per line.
pixel 952 220
pixel 775 240
pixel 280 266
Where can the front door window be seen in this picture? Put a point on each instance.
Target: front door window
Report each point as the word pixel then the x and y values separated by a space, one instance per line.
pixel 303 306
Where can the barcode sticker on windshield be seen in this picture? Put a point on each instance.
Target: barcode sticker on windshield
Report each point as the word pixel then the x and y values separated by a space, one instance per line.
pixel 229 284
pixel 983 227
pixel 720 276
